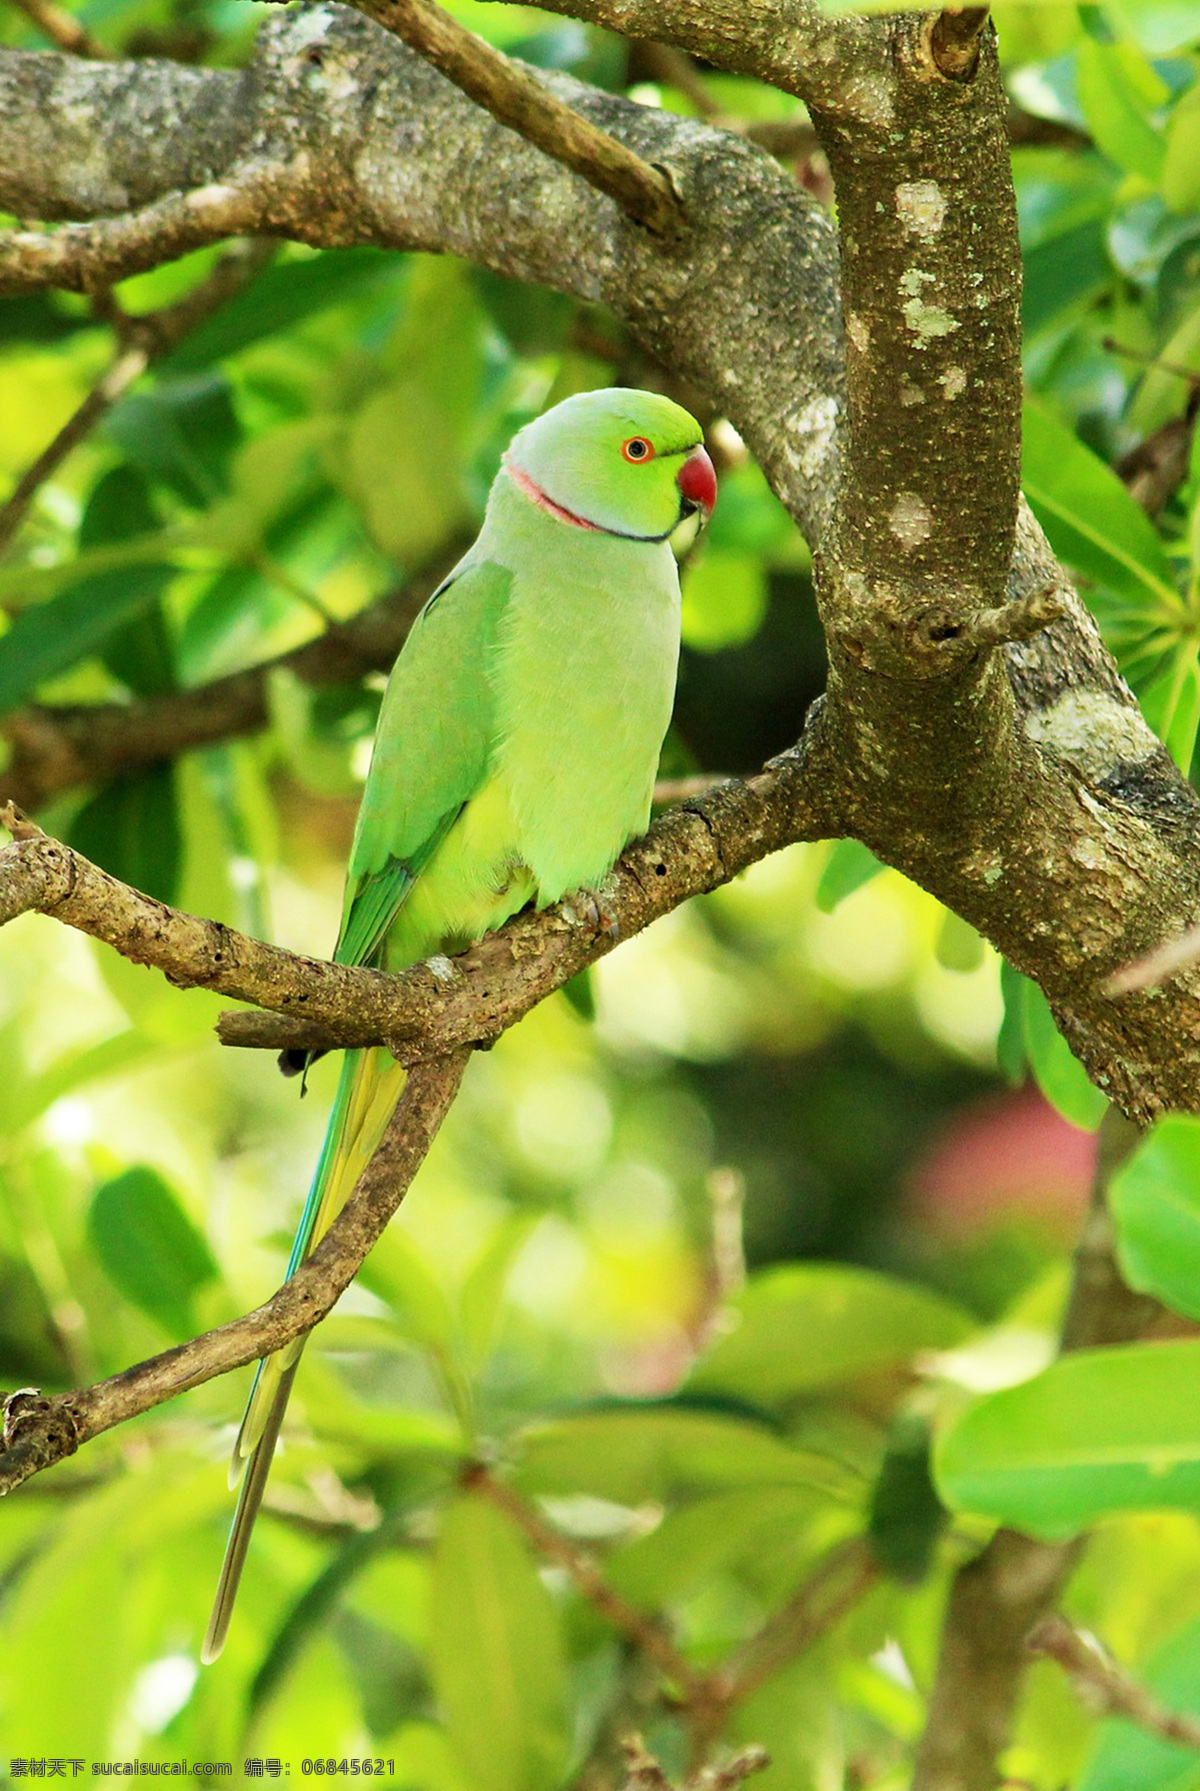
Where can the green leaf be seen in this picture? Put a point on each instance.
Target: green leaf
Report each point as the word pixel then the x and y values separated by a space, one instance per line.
pixel 1171 702
pixel 907 1517
pixel 47 638
pixel 403 459
pixel 1128 1757
pixel 281 296
pixel 182 434
pixel 131 827
pixel 705 1537
pixel 1092 521
pixel 1118 91
pixel 802 1327
pixel 1010 1044
pixel 1063 274
pixel 1163 395
pixel 1181 169
pixel 724 599
pixel 496 1652
pixel 1056 1070
pixel 635 1454
pixel 1155 1200
pixel 1098 1432
pixel 397 1273
pixel 850 864
pixel 1158 26
pixel 149 1247
pixel 484 1289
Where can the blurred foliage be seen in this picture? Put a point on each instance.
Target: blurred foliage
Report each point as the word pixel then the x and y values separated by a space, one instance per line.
pixel 819 1050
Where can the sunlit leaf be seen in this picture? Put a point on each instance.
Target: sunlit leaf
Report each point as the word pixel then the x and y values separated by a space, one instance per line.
pixel 724 596
pixel 1057 1071
pixel 1100 1431
pixel 811 1325
pixel 496 1651
pixel 632 1454
pixel 1155 1199
pixel 150 1248
pixel 1091 520
pixel 1119 92
pixel 850 864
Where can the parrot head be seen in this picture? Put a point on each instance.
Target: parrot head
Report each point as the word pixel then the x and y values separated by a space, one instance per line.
pixel 620 461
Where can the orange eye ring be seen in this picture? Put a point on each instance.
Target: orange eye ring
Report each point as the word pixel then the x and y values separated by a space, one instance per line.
pixel 637 449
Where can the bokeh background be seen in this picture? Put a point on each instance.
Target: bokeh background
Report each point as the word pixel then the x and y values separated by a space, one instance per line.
pixel 815 1078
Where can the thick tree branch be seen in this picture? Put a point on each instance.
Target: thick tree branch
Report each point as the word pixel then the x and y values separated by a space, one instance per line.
pixel 92 257
pixel 447 1002
pixel 514 96
pixel 143 340
pixel 839 64
pixel 40 1431
pixel 1045 813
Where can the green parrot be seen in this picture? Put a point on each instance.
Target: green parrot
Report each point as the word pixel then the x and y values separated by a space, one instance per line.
pixel 515 758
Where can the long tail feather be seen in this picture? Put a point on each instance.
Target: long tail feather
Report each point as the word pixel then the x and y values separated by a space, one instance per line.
pixel 368 1090
pixel 249 1499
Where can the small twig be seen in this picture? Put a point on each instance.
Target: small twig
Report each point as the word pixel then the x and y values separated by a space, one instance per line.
pixel 724 1268
pixel 1157 967
pixel 1154 361
pixel 41 1431
pixel 91 257
pixel 144 340
pixel 682 789
pixel 56 748
pixel 643 1772
pixel 1020 619
pixel 842 1578
pixel 518 99
pixel 1103 1684
pixel 63 29
pixel 954 39
pixel 647 1635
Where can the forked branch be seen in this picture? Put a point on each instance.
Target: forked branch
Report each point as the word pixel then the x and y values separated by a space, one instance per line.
pixel 41 1431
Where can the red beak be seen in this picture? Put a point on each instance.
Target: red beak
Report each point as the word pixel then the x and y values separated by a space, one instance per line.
pixel 697 481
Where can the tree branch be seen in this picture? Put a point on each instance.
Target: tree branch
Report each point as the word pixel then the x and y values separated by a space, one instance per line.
pixel 62 28
pixel 41 1431
pixel 1104 1685
pixel 446 1002
pixel 91 257
pixel 144 340
pixel 1016 794
pixel 999 1597
pixel 514 96
pixel 56 748
pixel 645 1632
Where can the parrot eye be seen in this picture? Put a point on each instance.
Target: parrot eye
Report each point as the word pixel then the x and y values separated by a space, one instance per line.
pixel 637 448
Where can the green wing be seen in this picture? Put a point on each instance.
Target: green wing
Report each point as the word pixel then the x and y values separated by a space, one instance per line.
pixel 432 749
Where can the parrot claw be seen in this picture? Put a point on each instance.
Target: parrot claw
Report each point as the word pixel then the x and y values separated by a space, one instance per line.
pixel 592 908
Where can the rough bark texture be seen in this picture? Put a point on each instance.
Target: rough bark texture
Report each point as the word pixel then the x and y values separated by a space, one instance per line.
pixel 448 1001
pixel 1020 785
pixel 998 794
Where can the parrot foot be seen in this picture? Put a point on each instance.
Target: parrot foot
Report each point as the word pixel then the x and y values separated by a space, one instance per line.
pixel 592 908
